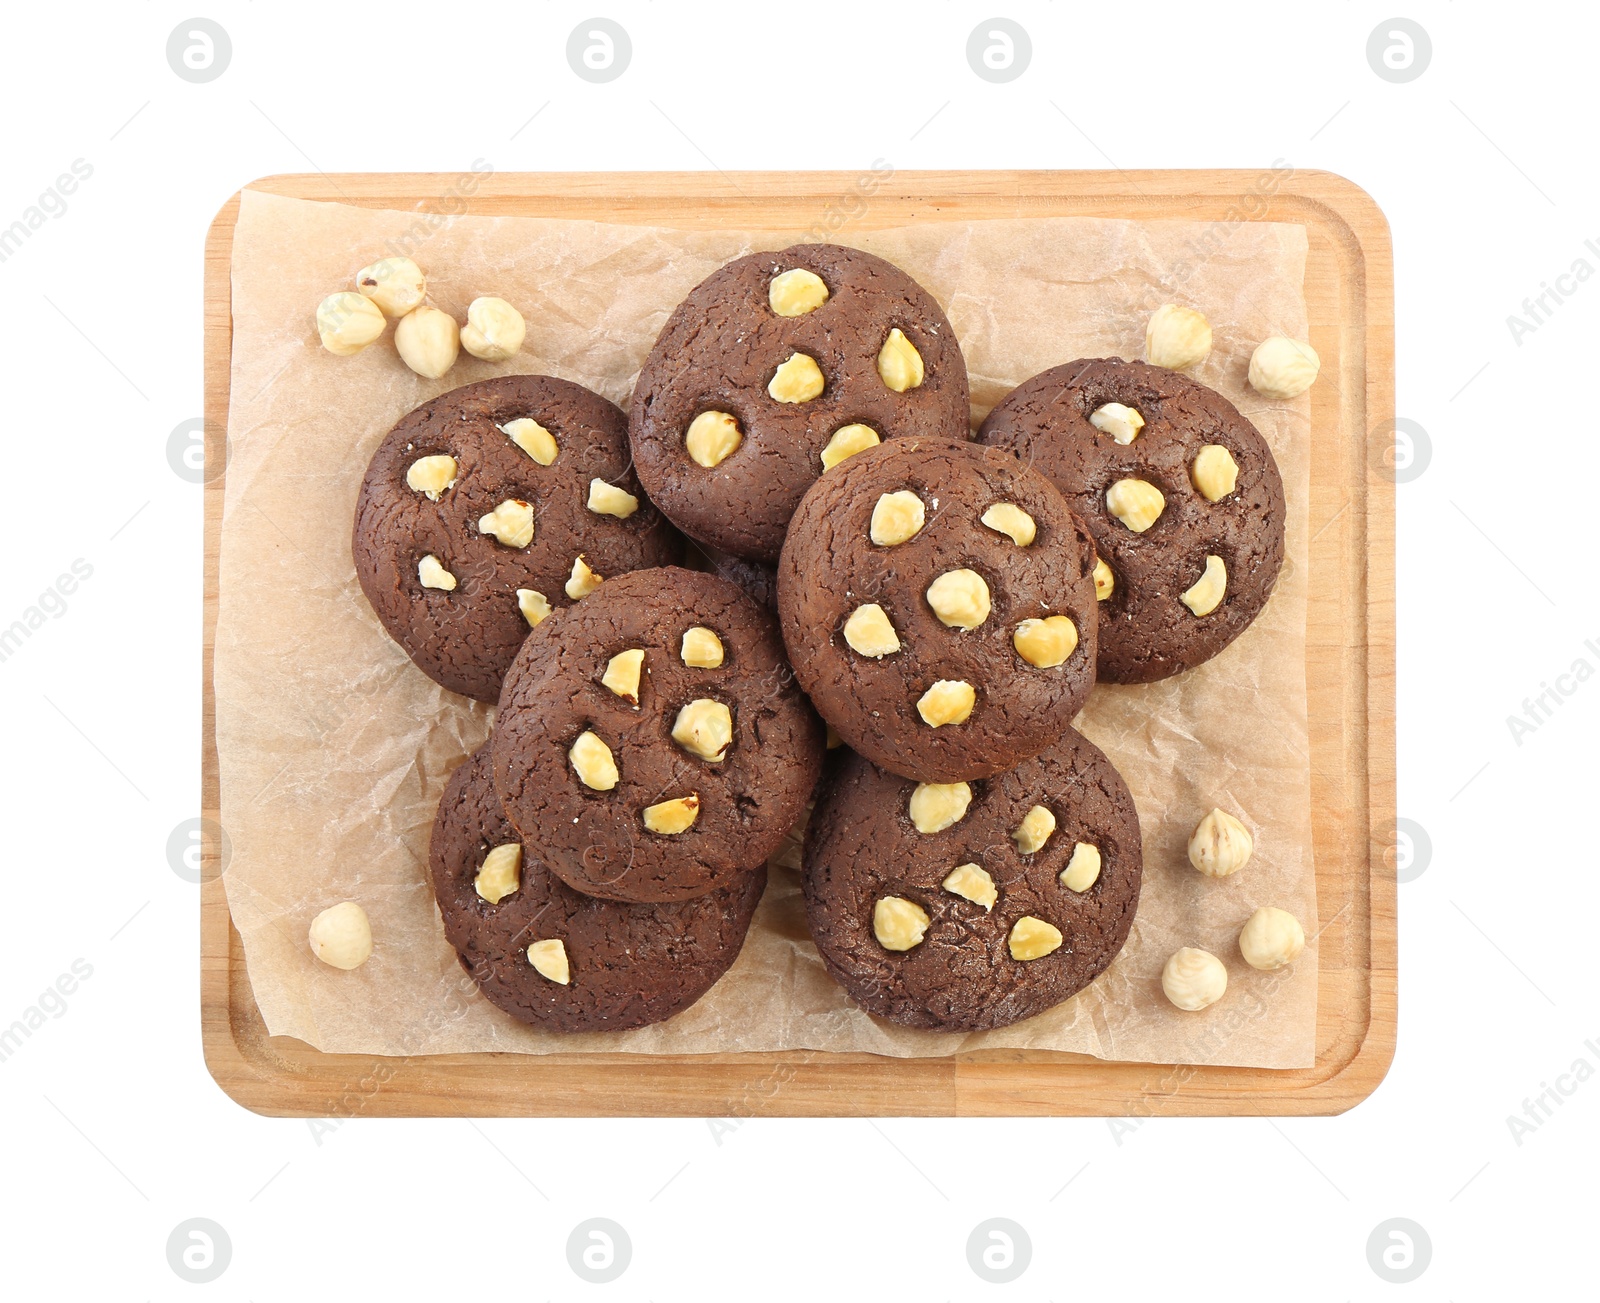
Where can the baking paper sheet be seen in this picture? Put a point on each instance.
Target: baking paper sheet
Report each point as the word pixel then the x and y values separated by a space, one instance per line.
pixel 334 749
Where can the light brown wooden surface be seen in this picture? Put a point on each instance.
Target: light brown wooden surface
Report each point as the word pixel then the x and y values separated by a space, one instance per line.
pixel 1350 676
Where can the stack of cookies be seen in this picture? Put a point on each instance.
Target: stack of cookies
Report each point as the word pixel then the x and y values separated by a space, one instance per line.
pixel 945 605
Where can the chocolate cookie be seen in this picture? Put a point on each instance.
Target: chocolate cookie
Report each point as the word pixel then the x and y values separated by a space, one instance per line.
pixel 651 741
pixel 776 366
pixel 1019 895
pixel 759 581
pixel 937 601
pixel 554 957
pixel 1181 494
pixel 490 506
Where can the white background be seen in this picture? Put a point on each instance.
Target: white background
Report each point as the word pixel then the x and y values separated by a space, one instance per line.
pixel 114 1132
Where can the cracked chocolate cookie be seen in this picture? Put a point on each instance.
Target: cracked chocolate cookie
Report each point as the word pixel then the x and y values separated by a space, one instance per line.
pixel 651 740
pixel 966 907
pixel 1181 493
pixel 487 508
pixel 553 956
pixel 775 368
pixel 937 601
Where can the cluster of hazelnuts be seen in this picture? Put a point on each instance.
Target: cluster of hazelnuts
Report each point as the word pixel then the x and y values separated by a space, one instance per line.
pixel 428 340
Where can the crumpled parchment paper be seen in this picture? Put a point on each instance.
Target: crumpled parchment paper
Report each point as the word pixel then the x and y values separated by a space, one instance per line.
pixel 334 749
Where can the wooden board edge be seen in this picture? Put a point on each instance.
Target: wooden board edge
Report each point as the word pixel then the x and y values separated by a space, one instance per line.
pixel 226 1057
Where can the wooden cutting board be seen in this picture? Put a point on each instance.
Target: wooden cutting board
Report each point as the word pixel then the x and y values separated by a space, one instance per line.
pixel 1349 673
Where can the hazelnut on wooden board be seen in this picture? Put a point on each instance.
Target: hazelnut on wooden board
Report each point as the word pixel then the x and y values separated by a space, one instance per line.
pixel 1194 979
pixel 936 806
pixel 532 438
pixel 1271 938
pixel 394 285
pixel 429 341
pixel 1176 337
pixel 341 936
pixel 899 924
pixel 347 323
pixel 501 873
pixel 846 442
pixel 712 437
pixel 1283 368
pixel 494 330
pixel 796 292
pixel 972 882
pixel 593 763
pixel 1220 845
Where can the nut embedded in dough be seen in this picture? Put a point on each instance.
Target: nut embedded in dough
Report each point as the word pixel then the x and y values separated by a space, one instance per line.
pixel 847 441
pixel 899 364
pixel 673 817
pixel 796 292
pixel 960 598
pixel 897 518
pixel 948 701
pixel 593 763
pixel 899 924
pixel 501 873
pixel 712 438
pixel 937 806
pixel 972 882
